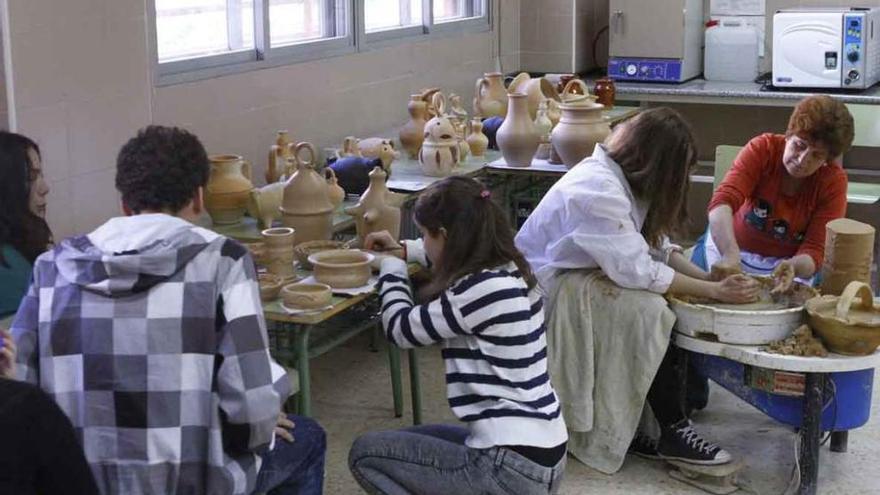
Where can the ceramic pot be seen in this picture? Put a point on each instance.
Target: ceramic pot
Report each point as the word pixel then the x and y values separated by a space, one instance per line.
pixel 578 132
pixel 537 89
pixel 845 328
pixel 379 148
pixel 412 134
pixel 279 154
pixel 517 137
pixel 490 97
pixel 373 213
pixel 849 254
pixel 342 269
pixel 229 186
pixel 306 296
pixel 576 93
pixel 477 141
pixel 336 192
pixel 306 206
pixel 264 203
pixel 440 152
pixel 303 250
pixel 270 286
pixel 279 251
pixel 605 92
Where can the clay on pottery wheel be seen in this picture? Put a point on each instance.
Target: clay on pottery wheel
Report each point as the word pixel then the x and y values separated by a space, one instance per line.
pixel 353 173
pixel 306 296
pixel 517 136
pixel 264 203
pixel 379 148
pixel 228 188
pixel 306 206
pixel 412 134
pixel 342 269
pixel 373 213
pixel 848 324
pixel 279 251
pixel 849 254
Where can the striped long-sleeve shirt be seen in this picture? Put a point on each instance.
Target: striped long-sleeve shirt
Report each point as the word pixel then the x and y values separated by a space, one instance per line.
pixel 495 350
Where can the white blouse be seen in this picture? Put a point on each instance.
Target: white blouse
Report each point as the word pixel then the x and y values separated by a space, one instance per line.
pixel 590 219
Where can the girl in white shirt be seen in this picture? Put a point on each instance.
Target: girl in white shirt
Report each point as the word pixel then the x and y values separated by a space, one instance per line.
pixel 614 212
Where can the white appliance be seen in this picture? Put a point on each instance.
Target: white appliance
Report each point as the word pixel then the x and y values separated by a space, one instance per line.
pixel 731 52
pixel 826 48
pixel 736 7
pixel 656 40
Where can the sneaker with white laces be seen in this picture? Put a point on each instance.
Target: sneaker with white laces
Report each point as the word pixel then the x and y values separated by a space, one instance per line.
pixel 680 442
pixel 644 446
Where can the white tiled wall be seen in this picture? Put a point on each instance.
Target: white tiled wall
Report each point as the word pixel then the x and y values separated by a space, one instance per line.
pixel 82 73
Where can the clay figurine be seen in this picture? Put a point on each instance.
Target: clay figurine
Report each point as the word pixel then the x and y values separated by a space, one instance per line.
pixel 379 148
pixel 264 203
pixel 440 151
pixel 373 213
pixel 349 148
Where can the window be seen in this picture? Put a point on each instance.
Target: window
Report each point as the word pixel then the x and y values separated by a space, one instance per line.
pixel 196 28
pixel 298 21
pixel 392 14
pixel 452 10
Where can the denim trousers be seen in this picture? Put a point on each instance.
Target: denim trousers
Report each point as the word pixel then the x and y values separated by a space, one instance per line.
pixel 433 459
pixel 297 467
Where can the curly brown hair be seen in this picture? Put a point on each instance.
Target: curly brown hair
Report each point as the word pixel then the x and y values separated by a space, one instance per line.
pixel 823 121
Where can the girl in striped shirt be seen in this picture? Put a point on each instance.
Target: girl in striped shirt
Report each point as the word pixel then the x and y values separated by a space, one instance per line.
pixel 481 304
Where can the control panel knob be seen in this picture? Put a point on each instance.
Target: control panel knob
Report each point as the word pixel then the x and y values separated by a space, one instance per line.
pixel 853 75
pixel 853 56
pixel 631 69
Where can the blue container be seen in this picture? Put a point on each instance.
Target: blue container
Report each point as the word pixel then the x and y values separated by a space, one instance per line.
pixel 849 408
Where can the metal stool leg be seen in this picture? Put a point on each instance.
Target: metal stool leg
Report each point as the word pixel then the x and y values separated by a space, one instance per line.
pixel 811 430
pixel 839 441
pixel 415 387
pixel 396 381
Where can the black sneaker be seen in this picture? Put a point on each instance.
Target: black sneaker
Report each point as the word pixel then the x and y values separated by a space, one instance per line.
pixel 644 446
pixel 680 442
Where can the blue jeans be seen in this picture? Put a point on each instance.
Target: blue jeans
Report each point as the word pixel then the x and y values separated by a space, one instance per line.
pixel 298 467
pixel 433 459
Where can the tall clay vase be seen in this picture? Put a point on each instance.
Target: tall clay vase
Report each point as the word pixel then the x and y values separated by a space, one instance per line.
pixel 278 156
pixel 307 207
pixel 579 130
pixel 412 134
pixel 477 141
pixel 373 213
pixel 228 189
pixel 279 251
pixel 490 97
pixel 517 137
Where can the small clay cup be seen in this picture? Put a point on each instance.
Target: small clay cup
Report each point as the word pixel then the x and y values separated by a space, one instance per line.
pixel 279 250
pixel 342 268
pixel 306 296
pixel 270 286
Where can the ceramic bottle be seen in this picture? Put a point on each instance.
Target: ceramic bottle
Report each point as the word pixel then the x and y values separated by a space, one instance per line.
pixel 517 137
pixel 412 134
pixel 477 141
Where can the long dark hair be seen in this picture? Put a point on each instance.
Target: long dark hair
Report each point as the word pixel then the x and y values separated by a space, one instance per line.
pixel 19 226
pixel 657 152
pixel 478 234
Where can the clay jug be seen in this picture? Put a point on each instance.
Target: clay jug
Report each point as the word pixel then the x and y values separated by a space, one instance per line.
pixel 349 148
pixel 264 203
pixel 537 90
pixel 336 192
pixel 307 207
pixel 440 152
pixel 582 127
pixel 279 153
pixel 605 92
pixel 373 213
pixel 412 134
pixel 490 97
pixel 379 148
pixel 278 254
pixel 477 141
pixel 517 137
pixel 229 186
pixel 427 95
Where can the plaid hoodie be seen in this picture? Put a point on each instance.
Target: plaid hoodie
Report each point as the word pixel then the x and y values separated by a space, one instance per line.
pixel 149 334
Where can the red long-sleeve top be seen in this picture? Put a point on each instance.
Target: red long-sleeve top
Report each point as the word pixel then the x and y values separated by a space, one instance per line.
pixel 770 223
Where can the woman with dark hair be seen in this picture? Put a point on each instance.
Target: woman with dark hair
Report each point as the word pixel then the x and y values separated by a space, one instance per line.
pixel 24 234
pixel 599 244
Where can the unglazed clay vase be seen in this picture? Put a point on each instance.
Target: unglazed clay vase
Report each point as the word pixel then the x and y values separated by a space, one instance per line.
pixel 379 148
pixel 342 269
pixel 477 141
pixel 373 213
pixel 264 203
pixel 490 97
pixel 537 89
pixel 849 254
pixel 279 154
pixel 517 137
pixel 306 296
pixel 334 190
pixel 226 195
pixel 440 152
pixel 413 133
pixel 306 206
pixel 279 251
pixel 582 127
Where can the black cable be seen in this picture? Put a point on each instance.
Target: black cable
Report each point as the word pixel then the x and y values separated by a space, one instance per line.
pixel 595 42
pixel 833 416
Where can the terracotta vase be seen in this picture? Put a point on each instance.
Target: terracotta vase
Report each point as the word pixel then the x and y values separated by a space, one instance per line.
pixel 306 206
pixel 228 189
pixel 264 203
pixel 373 213
pixel 440 152
pixel 537 89
pixel 379 148
pixel 477 141
pixel 278 252
pixel 578 132
pixel 490 97
pixel 412 134
pixel 605 92
pixel 335 191
pixel 517 137
pixel 279 154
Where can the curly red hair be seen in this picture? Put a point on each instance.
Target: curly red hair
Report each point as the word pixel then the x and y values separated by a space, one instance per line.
pixel 823 121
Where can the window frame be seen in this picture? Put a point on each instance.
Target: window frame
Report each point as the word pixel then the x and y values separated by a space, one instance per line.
pixel 263 55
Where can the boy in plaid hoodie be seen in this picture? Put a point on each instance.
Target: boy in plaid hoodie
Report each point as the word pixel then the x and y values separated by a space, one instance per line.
pixel 149 333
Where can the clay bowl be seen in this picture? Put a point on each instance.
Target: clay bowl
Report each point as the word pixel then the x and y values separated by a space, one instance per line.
pixel 270 286
pixel 847 328
pixel 342 268
pixel 306 249
pixel 306 296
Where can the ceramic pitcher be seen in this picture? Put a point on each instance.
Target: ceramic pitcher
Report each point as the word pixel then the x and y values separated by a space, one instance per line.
pixel 517 137
pixel 306 206
pixel 374 212
pixel 537 90
pixel 412 134
pixel 490 97
pixel 279 153
pixel 229 185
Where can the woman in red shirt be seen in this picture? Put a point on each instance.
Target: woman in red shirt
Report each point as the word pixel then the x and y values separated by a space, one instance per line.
pixel 769 213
